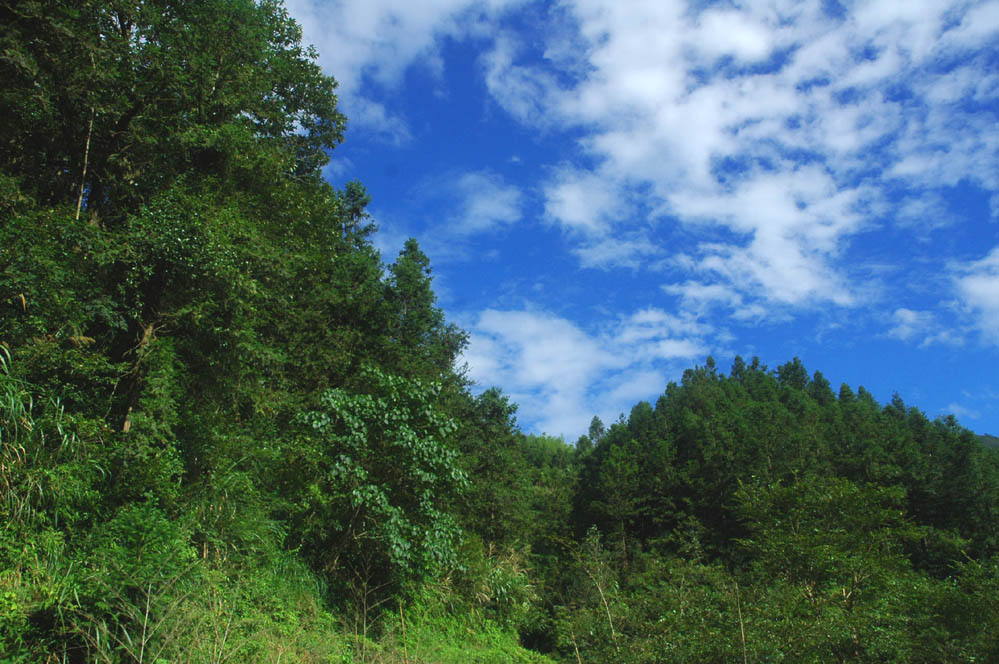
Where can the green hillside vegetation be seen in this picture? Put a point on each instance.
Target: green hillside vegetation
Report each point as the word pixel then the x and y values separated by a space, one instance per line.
pixel 230 432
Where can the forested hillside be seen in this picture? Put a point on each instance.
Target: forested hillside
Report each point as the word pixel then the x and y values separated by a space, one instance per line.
pixel 231 431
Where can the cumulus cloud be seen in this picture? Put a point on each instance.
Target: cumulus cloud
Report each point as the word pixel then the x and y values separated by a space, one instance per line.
pixel 788 126
pixel 730 32
pixel 546 363
pixel 562 374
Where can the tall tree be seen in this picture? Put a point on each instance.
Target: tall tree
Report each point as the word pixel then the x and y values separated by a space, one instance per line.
pixel 115 101
pixel 419 332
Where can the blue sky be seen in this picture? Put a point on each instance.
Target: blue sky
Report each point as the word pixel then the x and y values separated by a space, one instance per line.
pixel 611 191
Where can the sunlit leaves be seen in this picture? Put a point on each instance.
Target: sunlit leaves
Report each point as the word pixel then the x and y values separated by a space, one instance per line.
pixel 381 466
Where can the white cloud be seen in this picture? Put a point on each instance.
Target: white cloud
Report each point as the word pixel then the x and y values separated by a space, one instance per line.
pixel 632 388
pixel 908 324
pixel 652 324
pixel 486 202
pixel 733 33
pixel 701 297
pixel 545 362
pixel 977 286
pixel 924 213
pixel 613 252
pixel 372 44
pixel 946 337
pixel 796 220
pixel 584 202
pixel 449 213
pixel 980 25
pixel 775 122
pixel 963 413
pixel 562 375
pixel 527 88
pixel 375 117
pixel 337 168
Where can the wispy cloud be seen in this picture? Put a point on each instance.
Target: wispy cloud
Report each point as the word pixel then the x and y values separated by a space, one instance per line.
pixel 962 412
pixel 584 202
pixel 337 169
pixel 977 286
pixel 528 89
pixel 924 328
pixel 908 324
pixel 450 212
pixel 485 202
pixel 606 252
pixel 368 46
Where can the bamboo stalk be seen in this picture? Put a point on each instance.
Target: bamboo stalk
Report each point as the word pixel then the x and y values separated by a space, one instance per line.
pixel 86 156
pixel 402 621
pixel 86 146
pixel 742 626
pixel 575 648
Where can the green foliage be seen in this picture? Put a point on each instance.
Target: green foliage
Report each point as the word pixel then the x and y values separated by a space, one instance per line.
pixel 229 431
pixel 418 331
pixel 375 476
pixel 48 473
pixel 807 527
pixel 711 432
pixel 826 534
pixel 426 631
pixel 520 485
pixel 837 551
pixel 118 100
pixel 495 583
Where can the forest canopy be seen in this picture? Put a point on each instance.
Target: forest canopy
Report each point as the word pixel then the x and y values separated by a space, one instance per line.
pixel 228 429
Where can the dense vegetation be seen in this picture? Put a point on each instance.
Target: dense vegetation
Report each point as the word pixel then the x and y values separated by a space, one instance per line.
pixel 230 432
